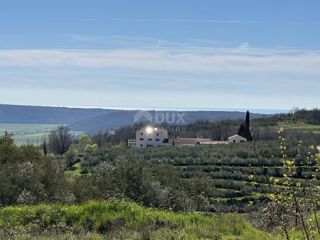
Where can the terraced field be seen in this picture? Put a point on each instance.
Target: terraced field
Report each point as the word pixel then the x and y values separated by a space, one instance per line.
pixel 240 177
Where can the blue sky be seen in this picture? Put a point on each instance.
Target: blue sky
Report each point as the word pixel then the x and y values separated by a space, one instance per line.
pixel 161 54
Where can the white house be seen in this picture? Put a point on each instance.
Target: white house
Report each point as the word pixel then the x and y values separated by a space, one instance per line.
pixel 151 137
pixel 237 139
pixel 157 136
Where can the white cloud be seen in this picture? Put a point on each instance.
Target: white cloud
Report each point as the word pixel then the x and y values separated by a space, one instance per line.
pixel 241 59
pixel 244 46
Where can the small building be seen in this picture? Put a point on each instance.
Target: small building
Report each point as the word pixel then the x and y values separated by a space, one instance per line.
pixel 196 141
pixel 132 142
pixel 185 142
pixel 237 139
pixel 157 136
pixel 151 137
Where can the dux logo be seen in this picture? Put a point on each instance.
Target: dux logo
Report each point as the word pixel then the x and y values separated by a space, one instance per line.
pixel 160 117
pixel 143 116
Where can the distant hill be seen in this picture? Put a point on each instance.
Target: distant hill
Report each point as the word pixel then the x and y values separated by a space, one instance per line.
pixel 44 115
pixel 94 120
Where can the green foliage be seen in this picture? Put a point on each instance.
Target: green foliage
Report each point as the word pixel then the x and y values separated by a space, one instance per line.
pixel 72 156
pixel 121 219
pixel 307 116
pixel 77 150
pixel 297 205
pixel 74 170
pixel 27 176
pixel 90 148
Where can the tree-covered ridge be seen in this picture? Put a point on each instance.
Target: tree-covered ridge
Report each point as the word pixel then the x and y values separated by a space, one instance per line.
pixel 94 120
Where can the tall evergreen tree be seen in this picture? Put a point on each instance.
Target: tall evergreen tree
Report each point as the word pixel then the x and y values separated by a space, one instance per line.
pixel 45 151
pixel 244 129
pixel 248 130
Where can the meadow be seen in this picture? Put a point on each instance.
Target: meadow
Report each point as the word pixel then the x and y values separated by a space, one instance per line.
pixel 29 133
pixel 116 219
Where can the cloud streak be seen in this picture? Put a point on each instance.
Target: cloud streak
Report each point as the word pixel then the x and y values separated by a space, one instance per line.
pixel 162 20
pixel 241 59
pixel 210 21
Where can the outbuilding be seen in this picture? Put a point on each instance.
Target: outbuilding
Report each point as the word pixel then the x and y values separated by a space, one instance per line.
pixel 237 139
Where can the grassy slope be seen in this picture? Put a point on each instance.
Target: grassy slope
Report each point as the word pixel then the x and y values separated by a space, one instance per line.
pixel 122 220
pixel 75 170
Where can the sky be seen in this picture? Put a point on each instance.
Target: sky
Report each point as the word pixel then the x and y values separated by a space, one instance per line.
pixel 148 54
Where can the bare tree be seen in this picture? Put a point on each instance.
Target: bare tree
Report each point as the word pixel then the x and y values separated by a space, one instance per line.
pixel 60 140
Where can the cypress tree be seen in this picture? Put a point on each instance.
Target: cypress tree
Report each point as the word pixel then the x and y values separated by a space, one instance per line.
pixel 244 129
pixel 247 126
pixel 45 151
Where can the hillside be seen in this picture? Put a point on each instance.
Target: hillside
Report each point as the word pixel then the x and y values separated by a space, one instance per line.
pixel 44 115
pixel 116 119
pixel 94 120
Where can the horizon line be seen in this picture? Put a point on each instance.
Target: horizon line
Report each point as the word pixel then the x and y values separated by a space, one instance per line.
pixel 159 108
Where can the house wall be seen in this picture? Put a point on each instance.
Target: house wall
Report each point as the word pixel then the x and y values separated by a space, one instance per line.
pixel 154 138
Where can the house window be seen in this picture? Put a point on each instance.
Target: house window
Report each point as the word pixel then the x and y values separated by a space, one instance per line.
pixel 150 139
pixel 157 134
pixel 141 134
pixel 157 139
pixel 141 145
pixel 141 139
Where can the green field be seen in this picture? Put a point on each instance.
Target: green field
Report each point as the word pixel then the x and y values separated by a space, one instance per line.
pixel 29 133
pixel 302 127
